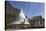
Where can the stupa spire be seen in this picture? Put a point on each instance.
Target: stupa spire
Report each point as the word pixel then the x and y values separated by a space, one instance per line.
pixel 22 13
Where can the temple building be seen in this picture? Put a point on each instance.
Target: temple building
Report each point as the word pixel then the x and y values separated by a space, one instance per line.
pixel 20 22
pixel 21 18
pixel 37 22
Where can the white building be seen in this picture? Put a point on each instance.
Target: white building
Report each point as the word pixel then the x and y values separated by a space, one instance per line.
pixel 21 18
pixel 21 21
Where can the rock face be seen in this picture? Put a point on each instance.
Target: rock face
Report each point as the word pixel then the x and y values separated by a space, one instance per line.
pixel 11 10
pixel 11 13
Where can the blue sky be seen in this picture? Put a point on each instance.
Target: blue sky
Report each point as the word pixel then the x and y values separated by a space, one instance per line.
pixel 30 8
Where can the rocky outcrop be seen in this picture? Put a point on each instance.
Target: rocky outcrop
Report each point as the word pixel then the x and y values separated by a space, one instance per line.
pixel 11 12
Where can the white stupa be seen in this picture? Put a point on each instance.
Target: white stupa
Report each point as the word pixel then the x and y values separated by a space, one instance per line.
pixel 21 18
